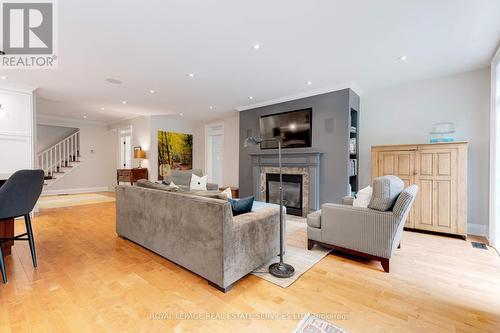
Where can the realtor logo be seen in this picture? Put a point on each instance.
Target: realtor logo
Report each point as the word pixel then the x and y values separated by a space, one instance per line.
pixel 28 35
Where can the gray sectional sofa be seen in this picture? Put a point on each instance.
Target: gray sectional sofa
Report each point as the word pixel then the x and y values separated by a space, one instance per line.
pixel 198 233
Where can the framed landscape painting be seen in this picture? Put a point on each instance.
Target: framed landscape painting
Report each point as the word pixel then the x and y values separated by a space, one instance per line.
pixel 175 152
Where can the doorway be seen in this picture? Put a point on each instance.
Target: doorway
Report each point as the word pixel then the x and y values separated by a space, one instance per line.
pixel 214 158
pixel 125 146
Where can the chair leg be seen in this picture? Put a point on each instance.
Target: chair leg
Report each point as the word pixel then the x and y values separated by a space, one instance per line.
pixel 310 244
pixel 385 264
pixel 2 265
pixel 31 240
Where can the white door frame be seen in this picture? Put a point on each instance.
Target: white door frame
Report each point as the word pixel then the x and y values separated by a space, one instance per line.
pixel 494 214
pixel 207 146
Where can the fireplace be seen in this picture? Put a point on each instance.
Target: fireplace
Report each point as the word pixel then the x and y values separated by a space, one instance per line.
pixel 292 192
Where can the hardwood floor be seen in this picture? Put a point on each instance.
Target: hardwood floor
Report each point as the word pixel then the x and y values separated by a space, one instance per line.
pixel 90 280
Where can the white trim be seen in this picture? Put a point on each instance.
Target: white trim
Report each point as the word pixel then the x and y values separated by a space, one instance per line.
pixel 350 85
pixel 41 117
pixel 477 229
pixel 494 195
pixel 18 88
pixel 76 190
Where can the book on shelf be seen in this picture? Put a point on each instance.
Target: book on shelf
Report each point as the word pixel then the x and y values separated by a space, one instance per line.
pixel 353 167
pixel 353 129
pixel 352 146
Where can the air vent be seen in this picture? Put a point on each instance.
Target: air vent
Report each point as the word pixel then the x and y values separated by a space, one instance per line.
pixel 481 246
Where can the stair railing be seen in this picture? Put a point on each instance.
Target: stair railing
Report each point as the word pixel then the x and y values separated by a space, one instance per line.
pixel 60 155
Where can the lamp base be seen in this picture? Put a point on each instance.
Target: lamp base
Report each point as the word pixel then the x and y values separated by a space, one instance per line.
pixel 281 270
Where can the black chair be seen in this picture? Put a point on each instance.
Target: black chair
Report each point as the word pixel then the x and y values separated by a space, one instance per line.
pixel 18 197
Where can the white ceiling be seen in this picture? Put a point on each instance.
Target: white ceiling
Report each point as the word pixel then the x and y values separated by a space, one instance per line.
pixel 154 45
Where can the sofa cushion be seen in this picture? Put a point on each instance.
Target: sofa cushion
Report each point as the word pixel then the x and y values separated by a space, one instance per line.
pixel 208 194
pixel 241 206
pixel 405 200
pixel 386 190
pixel 182 177
pixel 149 184
pixel 314 219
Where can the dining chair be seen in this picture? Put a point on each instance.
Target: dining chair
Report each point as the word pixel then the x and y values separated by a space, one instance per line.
pixel 18 197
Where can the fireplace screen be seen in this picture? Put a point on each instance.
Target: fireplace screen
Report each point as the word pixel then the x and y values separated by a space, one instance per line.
pixel 292 192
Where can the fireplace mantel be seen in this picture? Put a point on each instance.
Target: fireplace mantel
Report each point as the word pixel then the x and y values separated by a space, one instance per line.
pixel 306 160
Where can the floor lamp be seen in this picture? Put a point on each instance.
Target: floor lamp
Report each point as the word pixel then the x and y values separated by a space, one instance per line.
pixel 279 269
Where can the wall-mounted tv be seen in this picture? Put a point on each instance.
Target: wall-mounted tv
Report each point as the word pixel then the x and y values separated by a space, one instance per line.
pixel 293 127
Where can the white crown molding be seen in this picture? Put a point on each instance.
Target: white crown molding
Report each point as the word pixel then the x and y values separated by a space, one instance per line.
pixel 350 85
pixel 56 118
pixel 17 87
pixel 112 124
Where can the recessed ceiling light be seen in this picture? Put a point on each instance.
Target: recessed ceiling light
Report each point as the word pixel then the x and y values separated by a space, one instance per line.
pixel 3 77
pixel 250 97
pixel 124 102
pixel 85 117
pixel 309 83
pixel 211 107
pixel 191 75
pixel 152 91
pixel 102 108
pixel 181 114
pixel 403 58
pixel 256 46
pixel 114 81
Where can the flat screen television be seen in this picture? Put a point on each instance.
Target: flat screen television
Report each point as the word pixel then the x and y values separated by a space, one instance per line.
pixel 293 127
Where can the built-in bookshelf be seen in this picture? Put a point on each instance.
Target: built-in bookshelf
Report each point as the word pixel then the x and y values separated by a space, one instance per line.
pixel 353 165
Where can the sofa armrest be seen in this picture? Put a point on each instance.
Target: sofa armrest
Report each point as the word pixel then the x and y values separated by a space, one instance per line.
pixel 253 241
pixel 361 229
pixel 347 200
pixel 212 187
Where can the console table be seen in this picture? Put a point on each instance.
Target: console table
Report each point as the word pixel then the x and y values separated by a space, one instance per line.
pixel 6 226
pixel 131 175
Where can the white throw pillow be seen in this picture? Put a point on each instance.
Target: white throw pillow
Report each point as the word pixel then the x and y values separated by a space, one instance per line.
pixel 363 197
pixel 198 183
pixel 228 193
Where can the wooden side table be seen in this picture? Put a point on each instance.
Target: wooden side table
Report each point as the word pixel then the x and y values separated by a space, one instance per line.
pixel 131 175
pixel 235 192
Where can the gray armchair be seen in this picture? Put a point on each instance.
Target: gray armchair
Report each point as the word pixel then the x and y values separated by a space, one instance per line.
pixel 367 232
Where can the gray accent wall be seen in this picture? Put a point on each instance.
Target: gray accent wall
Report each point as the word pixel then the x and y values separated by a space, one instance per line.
pixel 330 136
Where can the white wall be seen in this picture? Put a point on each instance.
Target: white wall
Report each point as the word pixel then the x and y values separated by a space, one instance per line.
pixel 406 113
pixel 230 155
pixel 97 170
pixel 47 136
pixel 494 232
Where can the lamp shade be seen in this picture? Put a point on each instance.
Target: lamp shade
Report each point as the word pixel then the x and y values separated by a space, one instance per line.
pixel 139 154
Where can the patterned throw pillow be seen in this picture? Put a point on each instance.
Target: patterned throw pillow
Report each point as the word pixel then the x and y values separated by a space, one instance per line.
pixel 198 183
pixel 386 190
pixel 241 206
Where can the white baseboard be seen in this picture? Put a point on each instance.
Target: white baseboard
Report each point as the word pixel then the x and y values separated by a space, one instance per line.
pixel 477 229
pixel 76 190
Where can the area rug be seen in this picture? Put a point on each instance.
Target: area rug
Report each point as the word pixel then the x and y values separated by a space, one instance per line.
pixel 59 201
pixel 314 324
pixel 296 254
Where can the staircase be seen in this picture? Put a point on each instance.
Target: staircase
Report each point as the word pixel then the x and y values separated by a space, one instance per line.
pixel 60 159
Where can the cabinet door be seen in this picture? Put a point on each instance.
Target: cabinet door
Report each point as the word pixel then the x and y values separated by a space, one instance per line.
pixel 400 163
pixel 436 201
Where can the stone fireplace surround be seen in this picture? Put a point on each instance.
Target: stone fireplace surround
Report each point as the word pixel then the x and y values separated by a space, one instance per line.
pixel 306 164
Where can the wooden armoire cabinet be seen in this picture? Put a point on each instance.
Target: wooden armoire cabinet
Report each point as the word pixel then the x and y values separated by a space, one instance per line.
pixel 440 170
